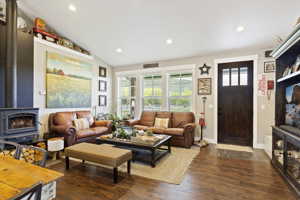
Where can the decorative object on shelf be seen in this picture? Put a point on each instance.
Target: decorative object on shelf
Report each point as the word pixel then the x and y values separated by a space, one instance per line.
pixel 102 72
pixel 269 66
pixel 66 43
pixel 296 65
pixel 268 53
pixel 298 21
pixel 102 100
pixel 40 31
pixel 204 69
pixel 102 86
pixel 204 86
pixel 3 11
pixel 67 79
pixel 287 71
pixel 293 105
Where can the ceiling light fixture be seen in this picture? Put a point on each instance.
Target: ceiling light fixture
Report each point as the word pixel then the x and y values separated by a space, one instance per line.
pixel 169 41
pixel 119 50
pixel 240 29
pixel 72 8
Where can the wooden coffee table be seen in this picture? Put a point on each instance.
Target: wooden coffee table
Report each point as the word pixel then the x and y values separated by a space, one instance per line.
pixel 149 153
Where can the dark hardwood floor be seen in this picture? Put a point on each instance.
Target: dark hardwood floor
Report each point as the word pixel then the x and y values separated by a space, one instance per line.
pixel 213 175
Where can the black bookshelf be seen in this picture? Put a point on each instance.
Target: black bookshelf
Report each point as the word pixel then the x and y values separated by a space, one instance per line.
pixel 286 139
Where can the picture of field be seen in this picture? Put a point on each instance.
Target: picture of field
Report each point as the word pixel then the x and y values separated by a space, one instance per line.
pixel 68 82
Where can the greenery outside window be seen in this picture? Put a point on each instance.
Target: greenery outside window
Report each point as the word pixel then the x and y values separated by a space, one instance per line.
pixel 152 92
pixel 180 92
pixel 127 97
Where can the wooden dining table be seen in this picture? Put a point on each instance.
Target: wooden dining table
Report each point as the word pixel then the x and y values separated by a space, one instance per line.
pixel 17 175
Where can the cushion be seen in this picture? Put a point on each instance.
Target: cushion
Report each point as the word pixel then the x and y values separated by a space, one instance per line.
pixel 102 154
pixel 100 130
pixel 147 118
pixel 86 133
pixel 64 118
pixel 165 114
pixel 161 122
pixel 81 124
pixel 157 130
pixel 174 131
pixel 85 114
pixel 141 127
pixel 182 118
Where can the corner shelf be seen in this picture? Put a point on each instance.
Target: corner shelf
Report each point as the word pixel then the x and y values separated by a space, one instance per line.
pixel 62 48
pixel 289 76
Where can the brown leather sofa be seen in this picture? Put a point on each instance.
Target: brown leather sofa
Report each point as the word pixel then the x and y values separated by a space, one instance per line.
pixel 181 126
pixel 61 124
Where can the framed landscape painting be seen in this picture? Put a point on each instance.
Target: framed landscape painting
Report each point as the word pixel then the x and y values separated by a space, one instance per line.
pixel 204 86
pixel 68 82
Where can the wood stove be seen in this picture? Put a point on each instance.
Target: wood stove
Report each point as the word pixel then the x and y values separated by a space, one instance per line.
pixel 19 124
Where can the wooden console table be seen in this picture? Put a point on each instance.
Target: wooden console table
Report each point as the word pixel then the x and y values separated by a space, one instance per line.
pixel 17 175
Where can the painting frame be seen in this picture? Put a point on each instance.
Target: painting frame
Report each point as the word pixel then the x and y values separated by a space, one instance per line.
pixel 102 72
pixel 3 11
pixel 204 86
pixel 67 78
pixel 102 86
pixel 269 66
pixel 102 100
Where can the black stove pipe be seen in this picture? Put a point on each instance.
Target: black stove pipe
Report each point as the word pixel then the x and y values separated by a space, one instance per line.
pixel 11 55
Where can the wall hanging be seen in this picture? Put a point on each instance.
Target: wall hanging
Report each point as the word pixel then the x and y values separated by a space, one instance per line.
pixel 102 100
pixel 102 72
pixel 67 79
pixel 204 86
pixel 269 66
pixel 102 86
pixel 204 69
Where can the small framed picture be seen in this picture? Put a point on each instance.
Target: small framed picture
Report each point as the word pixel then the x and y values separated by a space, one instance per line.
pixel 269 66
pixel 102 72
pixel 102 100
pixel 3 11
pixel 102 86
pixel 204 86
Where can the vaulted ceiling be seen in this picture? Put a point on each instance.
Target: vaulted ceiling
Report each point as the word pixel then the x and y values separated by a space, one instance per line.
pixel 141 27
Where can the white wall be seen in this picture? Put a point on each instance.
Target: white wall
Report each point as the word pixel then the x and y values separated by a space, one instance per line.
pixel 40 49
pixel 265 107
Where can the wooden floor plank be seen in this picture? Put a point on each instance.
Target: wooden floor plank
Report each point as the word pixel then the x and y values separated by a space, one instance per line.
pixel 213 175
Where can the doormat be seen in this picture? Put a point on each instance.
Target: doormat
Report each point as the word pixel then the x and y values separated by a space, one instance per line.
pixel 234 148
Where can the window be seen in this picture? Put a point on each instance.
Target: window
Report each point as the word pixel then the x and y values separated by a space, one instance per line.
pixel 180 92
pixel 127 97
pixel 235 76
pixel 152 92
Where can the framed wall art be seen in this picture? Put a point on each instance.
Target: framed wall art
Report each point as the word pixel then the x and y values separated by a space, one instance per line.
pixel 3 11
pixel 102 100
pixel 102 72
pixel 269 66
pixel 204 86
pixel 102 86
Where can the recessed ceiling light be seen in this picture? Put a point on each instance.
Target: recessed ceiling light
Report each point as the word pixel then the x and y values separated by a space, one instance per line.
pixel 72 8
pixel 169 41
pixel 240 29
pixel 119 50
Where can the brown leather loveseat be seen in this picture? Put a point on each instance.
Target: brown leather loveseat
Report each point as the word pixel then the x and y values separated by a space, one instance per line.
pixel 181 126
pixel 61 124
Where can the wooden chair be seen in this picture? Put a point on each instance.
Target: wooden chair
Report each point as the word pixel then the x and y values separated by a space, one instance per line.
pixel 10 149
pixel 33 155
pixel 33 193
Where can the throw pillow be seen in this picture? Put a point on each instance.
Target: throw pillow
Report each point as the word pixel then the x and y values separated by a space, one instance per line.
pixel 81 124
pixel 161 122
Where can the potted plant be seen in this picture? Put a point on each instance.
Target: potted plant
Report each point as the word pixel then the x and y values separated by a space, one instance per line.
pixel 115 121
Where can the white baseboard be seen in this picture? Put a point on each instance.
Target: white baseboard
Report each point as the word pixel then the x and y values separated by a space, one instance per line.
pixel 211 141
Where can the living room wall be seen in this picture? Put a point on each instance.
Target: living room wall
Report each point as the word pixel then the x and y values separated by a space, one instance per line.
pixel 40 49
pixel 265 107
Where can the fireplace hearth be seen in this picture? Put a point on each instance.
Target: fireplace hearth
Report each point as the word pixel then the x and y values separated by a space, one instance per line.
pixel 19 124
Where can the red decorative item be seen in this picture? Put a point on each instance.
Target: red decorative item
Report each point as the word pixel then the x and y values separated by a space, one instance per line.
pixel 202 120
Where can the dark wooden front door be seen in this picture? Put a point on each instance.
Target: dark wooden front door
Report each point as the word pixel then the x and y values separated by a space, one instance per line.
pixel 235 103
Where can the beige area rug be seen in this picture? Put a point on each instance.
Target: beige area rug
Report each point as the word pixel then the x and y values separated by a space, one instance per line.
pixel 169 169
pixel 234 148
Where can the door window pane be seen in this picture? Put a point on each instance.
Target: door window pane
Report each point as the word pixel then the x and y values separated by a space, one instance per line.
pixel 234 76
pixel 243 76
pixel 225 77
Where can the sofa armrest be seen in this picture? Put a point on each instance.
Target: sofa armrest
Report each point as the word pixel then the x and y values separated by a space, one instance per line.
pixel 68 132
pixel 105 123
pixel 133 122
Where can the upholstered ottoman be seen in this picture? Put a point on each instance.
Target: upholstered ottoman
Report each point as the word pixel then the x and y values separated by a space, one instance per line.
pixel 102 154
